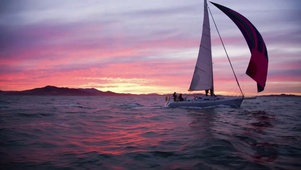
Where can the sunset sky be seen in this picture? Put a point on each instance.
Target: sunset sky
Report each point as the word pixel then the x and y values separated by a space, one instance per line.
pixel 141 46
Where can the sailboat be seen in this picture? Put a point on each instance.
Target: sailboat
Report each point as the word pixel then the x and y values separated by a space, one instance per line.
pixel 202 78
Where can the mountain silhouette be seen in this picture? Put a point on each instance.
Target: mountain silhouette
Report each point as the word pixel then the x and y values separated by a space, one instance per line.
pixel 62 91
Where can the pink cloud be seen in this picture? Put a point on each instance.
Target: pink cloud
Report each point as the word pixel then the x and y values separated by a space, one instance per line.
pixel 138 51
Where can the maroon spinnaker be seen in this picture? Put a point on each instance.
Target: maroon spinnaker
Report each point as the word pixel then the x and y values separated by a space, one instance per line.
pixel 258 65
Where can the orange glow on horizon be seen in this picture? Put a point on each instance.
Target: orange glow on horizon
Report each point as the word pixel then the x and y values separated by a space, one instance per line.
pixel 103 48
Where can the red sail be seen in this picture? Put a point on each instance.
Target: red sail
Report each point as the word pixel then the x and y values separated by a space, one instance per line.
pixel 258 65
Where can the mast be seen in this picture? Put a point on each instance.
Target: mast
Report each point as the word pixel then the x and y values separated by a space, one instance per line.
pixel 202 78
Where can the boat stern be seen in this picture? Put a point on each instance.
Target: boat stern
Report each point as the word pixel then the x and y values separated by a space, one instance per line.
pixel 167 101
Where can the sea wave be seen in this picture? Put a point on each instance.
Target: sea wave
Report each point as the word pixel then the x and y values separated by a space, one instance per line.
pixel 138 133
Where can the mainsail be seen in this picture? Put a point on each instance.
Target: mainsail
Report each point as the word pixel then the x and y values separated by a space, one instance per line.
pixel 258 65
pixel 202 78
pixel 203 73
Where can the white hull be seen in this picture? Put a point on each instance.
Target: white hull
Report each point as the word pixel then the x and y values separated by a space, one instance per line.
pixel 202 78
pixel 206 102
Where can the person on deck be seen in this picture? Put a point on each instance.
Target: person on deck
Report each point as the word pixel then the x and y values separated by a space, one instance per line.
pixel 207 91
pixel 181 98
pixel 211 92
pixel 174 96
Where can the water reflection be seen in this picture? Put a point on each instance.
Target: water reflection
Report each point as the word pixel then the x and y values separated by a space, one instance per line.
pixel 202 122
pixel 263 149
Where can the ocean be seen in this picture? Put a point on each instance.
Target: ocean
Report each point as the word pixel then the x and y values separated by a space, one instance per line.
pixel 137 132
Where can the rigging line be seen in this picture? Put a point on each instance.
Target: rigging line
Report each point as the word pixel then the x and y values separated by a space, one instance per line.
pixel 226 52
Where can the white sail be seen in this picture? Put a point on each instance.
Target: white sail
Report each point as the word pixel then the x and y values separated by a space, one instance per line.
pixel 203 73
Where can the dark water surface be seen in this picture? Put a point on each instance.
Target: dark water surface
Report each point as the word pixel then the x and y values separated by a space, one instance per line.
pixel 138 133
